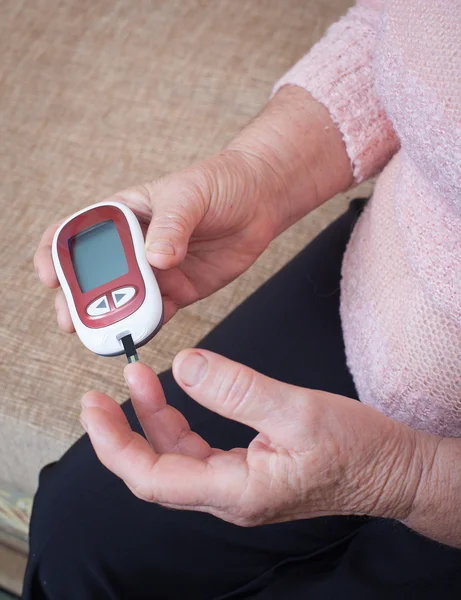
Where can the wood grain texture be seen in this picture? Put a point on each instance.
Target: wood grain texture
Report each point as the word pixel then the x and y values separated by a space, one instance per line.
pixel 97 96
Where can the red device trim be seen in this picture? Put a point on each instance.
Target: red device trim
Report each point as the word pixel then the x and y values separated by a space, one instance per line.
pixel 133 278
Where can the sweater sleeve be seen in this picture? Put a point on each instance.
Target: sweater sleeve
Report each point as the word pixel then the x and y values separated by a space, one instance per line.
pixel 339 73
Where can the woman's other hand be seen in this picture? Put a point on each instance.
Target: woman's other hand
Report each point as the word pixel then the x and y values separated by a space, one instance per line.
pixel 314 454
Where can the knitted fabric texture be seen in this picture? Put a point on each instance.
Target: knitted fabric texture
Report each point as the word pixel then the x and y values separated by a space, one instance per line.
pixel 389 72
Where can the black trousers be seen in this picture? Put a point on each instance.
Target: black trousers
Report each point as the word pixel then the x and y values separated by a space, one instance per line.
pixel 91 539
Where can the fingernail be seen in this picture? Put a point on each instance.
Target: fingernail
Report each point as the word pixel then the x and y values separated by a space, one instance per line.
pixel 161 248
pixel 192 369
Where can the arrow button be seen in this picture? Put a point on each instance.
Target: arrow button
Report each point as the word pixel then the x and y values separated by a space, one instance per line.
pixel 102 304
pixel 98 307
pixel 122 296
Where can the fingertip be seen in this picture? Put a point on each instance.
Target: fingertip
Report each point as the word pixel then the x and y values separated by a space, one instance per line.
pixel 43 264
pixel 62 313
pixel 103 402
pixel 164 255
pixel 130 372
pixel 142 381
pixel 94 399
pixel 48 278
pixel 177 360
pixel 190 367
pixel 163 262
pixel 110 434
pixel 64 322
pixel 87 399
pixel 98 423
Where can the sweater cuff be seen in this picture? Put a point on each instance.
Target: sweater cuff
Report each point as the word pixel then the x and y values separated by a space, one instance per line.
pixel 338 72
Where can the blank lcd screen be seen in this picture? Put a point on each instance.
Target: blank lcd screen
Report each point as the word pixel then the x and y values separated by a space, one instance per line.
pixel 97 255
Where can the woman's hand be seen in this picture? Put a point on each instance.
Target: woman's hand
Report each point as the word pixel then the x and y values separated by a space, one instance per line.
pixel 206 224
pixel 315 453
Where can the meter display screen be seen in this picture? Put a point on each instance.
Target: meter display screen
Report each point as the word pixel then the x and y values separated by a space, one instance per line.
pixel 97 255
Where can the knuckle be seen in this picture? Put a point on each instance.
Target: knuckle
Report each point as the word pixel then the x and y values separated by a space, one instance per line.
pixel 236 388
pixel 177 445
pixel 198 185
pixel 142 198
pixel 139 490
pixel 247 516
pixel 145 191
pixel 172 221
pixel 139 199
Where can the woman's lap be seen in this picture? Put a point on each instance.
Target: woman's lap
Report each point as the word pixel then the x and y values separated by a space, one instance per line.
pixel 91 538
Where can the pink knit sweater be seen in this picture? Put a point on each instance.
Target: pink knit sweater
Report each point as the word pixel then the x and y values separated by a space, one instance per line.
pixel 389 72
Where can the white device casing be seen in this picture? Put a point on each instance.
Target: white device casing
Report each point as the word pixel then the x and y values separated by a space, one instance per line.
pixel 143 323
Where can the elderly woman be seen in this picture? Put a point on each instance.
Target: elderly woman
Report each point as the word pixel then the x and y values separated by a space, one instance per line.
pixel 286 492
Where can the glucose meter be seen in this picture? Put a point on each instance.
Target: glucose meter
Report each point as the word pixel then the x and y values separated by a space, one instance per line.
pixel 110 287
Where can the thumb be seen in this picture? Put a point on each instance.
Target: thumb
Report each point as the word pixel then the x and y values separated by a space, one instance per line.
pixel 239 393
pixel 179 203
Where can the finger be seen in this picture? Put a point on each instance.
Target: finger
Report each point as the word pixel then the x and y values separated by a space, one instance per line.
pixel 97 400
pixel 179 203
pixel 170 308
pixel 42 259
pixel 165 427
pixel 167 478
pixel 43 264
pixel 62 313
pixel 237 392
pixel 175 284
